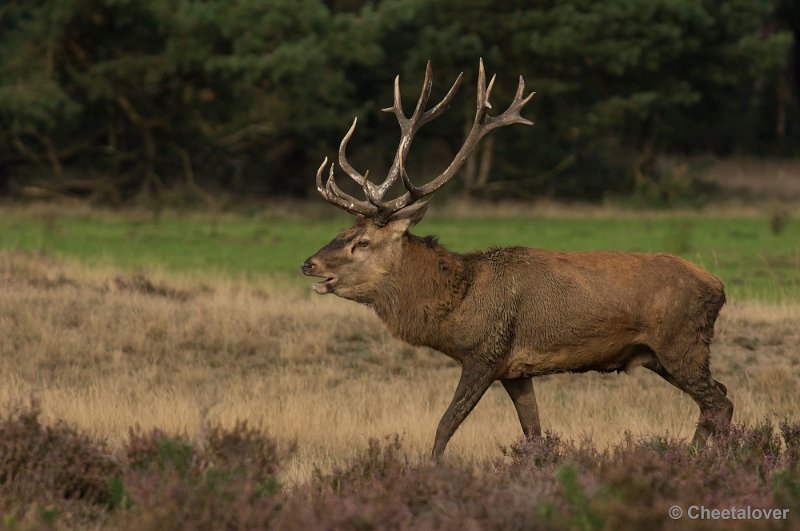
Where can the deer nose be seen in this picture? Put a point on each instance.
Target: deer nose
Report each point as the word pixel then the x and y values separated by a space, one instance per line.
pixel 308 267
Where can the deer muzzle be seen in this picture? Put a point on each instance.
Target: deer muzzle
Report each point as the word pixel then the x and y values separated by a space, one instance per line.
pixel 311 268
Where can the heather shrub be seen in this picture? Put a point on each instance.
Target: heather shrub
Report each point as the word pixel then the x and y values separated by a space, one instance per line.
pixel 240 450
pixel 547 483
pixel 382 489
pixel 786 481
pixel 543 451
pixel 226 480
pixel 379 462
pixel 791 438
pixel 155 449
pixel 51 473
pixel 786 488
pixel 757 446
pixel 217 499
pixel 582 515
pixel 52 476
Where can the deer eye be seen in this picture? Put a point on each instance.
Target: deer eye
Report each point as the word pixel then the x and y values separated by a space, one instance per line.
pixel 360 244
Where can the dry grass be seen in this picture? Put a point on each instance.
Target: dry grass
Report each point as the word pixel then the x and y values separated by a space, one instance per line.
pixel 105 351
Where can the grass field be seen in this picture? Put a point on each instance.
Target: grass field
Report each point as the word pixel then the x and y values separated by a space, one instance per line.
pixel 113 320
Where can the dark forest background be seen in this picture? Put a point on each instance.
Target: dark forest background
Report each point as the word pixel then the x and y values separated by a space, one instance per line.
pixel 191 100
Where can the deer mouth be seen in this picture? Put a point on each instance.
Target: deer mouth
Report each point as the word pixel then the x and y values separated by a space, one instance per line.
pixel 326 286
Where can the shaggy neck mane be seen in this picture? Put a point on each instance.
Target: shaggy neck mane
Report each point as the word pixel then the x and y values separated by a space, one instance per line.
pixel 426 283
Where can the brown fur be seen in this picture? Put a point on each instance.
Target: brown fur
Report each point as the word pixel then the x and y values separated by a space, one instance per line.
pixel 515 313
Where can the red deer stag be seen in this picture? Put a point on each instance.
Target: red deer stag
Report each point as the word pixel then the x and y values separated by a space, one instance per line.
pixel 514 313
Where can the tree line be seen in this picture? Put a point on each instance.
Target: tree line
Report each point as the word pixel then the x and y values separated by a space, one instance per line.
pixel 119 100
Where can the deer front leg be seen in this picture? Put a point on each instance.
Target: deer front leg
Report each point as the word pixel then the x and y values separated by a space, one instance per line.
pixel 475 380
pixel 521 392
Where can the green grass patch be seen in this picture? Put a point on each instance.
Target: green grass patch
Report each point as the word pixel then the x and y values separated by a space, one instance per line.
pixel 751 260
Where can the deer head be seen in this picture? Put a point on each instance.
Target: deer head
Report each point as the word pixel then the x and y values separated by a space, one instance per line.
pixel 354 263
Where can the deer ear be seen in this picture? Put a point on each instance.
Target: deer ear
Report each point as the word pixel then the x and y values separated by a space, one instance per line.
pixel 407 217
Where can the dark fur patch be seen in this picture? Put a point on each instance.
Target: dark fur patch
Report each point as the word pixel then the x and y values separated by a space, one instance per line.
pixel 334 245
pixel 428 241
pixel 340 242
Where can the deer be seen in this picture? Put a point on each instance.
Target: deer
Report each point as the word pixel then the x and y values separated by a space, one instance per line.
pixel 515 313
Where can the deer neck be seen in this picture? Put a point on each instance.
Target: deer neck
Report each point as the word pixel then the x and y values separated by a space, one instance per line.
pixel 423 288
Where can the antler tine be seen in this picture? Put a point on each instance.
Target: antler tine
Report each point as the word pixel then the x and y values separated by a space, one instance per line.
pixel 419 114
pixel 481 104
pixel 320 188
pixel 425 93
pixel 521 90
pixel 512 114
pixel 480 127
pixel 443 105
pixel 332 188
pixel 374 206
pixel 410 126
pixel 489 91
pixel 397 106
pixel 366 185
pixel 335 196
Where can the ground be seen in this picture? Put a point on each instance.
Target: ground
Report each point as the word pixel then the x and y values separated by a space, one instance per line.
pixel 176 371
pixel 119 320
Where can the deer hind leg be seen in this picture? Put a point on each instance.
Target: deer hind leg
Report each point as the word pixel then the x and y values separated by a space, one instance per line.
pixel 692 375
pixel 659 369
pixel 521 392
pixel 475 380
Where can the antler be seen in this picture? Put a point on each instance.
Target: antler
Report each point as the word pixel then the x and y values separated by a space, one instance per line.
pixel 374 206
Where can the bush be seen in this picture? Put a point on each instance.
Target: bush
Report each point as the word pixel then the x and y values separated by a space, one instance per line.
pixel 52 470
pixel 229 479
